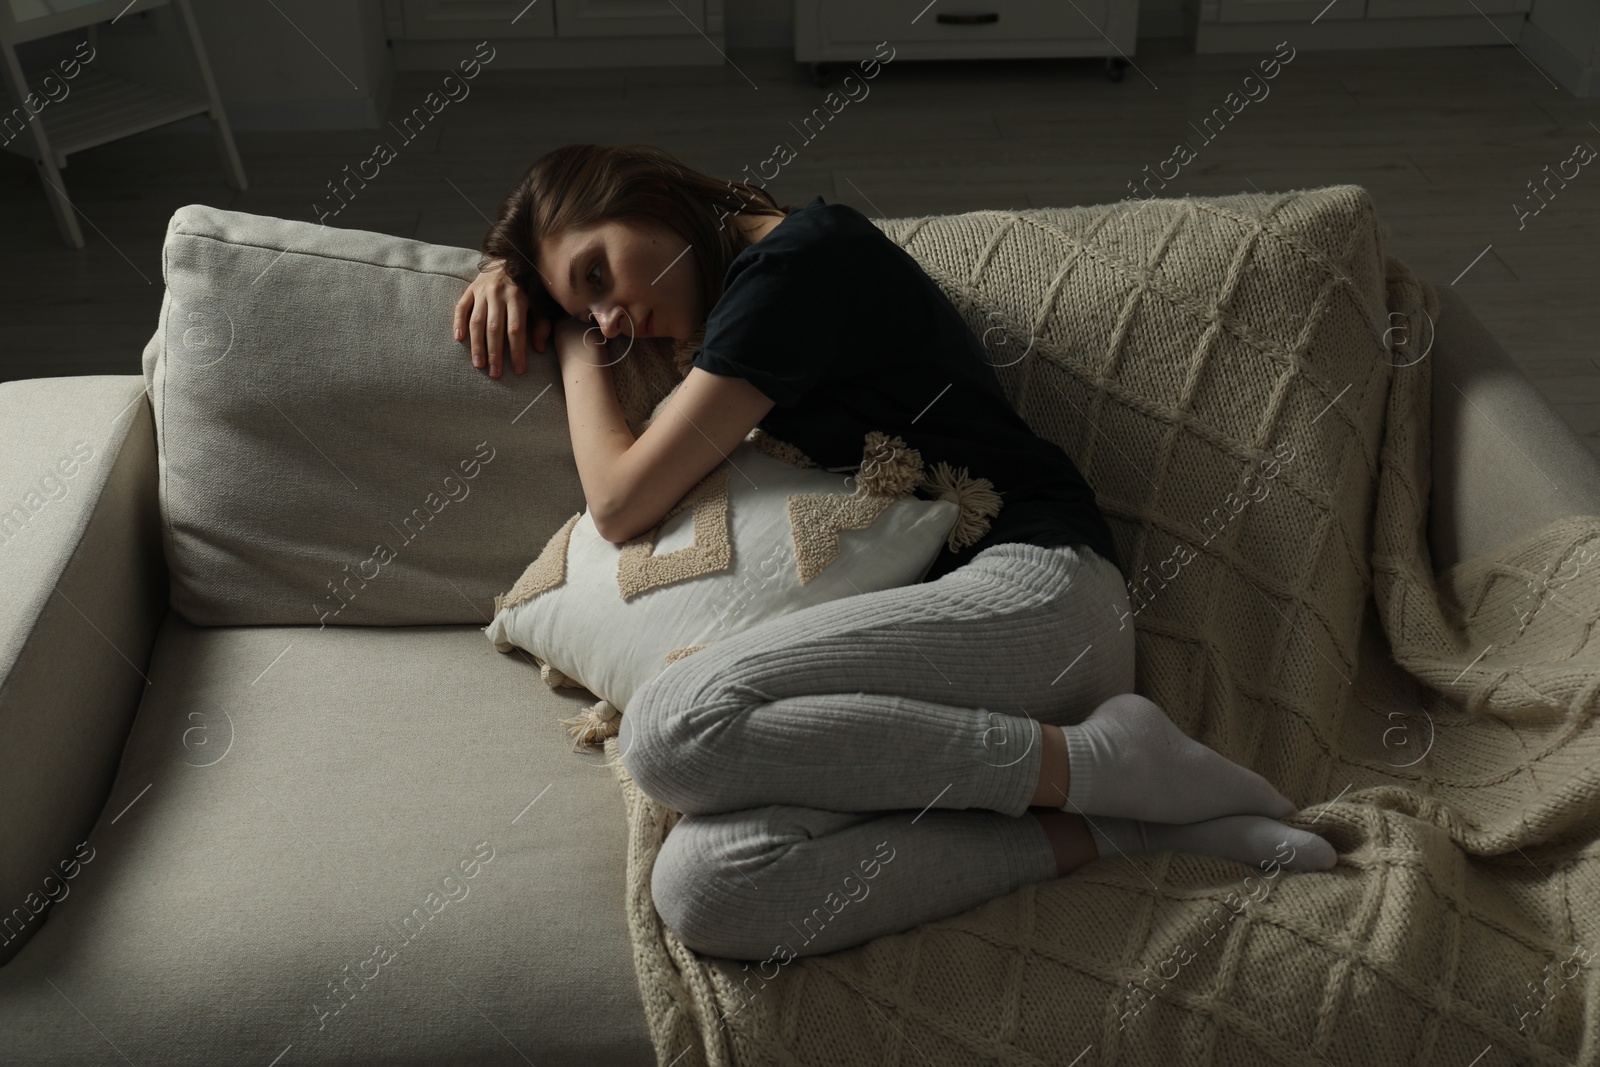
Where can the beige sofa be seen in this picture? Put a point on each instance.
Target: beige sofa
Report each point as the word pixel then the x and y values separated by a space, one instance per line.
pixel 289 804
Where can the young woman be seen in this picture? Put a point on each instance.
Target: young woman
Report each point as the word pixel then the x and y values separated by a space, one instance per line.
pixel 854 768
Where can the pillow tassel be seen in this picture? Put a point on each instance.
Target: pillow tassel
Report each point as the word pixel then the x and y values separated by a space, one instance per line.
pixel 976 497
pixel 594 724
pixel 553 677
pixel 888 467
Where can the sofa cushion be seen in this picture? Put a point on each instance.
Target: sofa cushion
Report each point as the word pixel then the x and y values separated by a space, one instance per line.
pixel 328 454
pixel 394 811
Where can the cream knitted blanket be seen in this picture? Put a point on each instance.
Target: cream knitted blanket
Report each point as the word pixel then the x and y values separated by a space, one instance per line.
pixel 1244 380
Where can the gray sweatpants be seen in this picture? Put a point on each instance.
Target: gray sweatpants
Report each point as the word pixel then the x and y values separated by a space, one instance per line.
pixel 859 767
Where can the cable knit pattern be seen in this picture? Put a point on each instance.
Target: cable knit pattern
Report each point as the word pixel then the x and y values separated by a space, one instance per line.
pixel 1225 373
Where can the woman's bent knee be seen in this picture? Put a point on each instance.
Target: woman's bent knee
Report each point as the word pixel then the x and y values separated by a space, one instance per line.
pixel 645 746
pixel 663 743
pixel 732 884
pixel 700 892
pixel 647 753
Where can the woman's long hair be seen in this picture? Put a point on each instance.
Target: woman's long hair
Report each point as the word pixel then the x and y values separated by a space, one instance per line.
pixel 579 185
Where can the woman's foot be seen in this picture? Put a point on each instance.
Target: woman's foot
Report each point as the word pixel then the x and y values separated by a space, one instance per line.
pixel 1128 760
pixel 1250 839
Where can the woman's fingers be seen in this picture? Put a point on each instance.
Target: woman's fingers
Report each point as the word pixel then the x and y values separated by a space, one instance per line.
pixel 475 327
pixel 516 333
pixel 493 330
pixel 458 322
pixel 493 315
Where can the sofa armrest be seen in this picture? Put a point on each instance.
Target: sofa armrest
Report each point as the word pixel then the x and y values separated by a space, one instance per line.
pixel 1504 461
pixel 85 589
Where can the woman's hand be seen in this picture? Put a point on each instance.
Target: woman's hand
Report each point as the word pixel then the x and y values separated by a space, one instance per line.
pixel 494 309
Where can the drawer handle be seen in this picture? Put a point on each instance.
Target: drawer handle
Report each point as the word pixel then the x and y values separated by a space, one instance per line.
pixel 968 20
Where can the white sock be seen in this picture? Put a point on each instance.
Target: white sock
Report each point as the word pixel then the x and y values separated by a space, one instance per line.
pixel 1252 839
pixel 1129 760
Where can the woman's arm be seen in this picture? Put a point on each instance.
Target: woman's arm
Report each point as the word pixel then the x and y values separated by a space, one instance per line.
pixel 600 434
pixel 630 483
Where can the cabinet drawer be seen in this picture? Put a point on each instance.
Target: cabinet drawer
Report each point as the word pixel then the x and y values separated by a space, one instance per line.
pixel 1399 9
pixel 852 21
pixel 629 18
pixel 427 20
pixel 1289 10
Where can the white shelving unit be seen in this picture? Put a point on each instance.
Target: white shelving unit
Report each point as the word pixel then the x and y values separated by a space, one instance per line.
pixel 98 105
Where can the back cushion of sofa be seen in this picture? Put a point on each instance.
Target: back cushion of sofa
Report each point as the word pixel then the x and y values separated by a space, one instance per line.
pixel 328 454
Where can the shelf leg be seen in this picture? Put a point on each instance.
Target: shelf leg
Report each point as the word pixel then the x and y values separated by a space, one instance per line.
pixel 55 191
pixel 44 157
pixel 232 167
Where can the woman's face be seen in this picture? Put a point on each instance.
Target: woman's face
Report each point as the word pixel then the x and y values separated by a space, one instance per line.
pixel 639 279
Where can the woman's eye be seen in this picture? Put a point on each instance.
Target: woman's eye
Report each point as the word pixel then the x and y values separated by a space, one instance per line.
pixel 592 273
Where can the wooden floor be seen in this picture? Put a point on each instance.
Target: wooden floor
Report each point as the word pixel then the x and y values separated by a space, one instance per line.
pixel 1446 140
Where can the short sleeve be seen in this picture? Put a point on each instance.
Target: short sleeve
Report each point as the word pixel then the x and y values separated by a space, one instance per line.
pixel 770 329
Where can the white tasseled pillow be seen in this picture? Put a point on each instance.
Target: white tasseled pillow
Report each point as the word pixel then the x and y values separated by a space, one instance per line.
pixel 738 549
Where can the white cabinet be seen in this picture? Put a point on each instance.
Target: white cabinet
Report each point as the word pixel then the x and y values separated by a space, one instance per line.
pixel 963 29
pixel 1395 9
pixel 1303 10
pixel 615 18
pixel 478 19
pixel 844 21
pixel 1258 25
pixel 558 33
pixel 1323 10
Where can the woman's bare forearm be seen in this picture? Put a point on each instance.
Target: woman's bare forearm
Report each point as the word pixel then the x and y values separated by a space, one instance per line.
pixel 600 434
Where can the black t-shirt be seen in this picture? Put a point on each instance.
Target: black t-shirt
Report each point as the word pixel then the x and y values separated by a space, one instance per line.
pixel 843 330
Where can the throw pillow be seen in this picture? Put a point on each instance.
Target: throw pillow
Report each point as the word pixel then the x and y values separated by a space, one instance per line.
pixel 734 552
